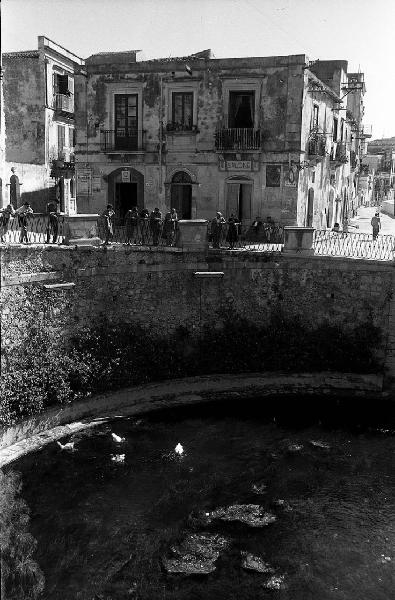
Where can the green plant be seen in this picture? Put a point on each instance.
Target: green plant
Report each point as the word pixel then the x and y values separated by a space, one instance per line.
pixel 21 576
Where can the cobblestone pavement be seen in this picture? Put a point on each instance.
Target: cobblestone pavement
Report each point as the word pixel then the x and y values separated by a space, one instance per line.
pixel 362 221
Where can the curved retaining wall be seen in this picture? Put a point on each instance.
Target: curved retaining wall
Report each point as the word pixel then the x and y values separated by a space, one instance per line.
pixel 32 434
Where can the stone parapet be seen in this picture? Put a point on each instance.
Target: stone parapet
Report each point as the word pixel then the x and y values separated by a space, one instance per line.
pixel 81 230
pixel 193 234
pixel 298 240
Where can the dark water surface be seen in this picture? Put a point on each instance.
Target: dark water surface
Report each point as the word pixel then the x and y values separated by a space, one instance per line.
pixel 103 527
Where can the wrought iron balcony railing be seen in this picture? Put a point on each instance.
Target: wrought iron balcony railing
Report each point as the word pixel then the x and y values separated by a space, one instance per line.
pixel 121 140
pixel 174 127
pixel 341 153
pixel 64 103
pixel 316 145
pixel 238 139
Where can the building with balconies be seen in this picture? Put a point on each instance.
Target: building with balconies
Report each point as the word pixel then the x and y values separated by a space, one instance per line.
pixel 251 136
pixel 39 112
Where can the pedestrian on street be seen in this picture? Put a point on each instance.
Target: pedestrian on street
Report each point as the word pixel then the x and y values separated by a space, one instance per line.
pixel 23 214
pixel 53 221
pixel 155 225
pixel 108 219
pixel 131 226
pixel 376 225
pixel 6 215
pixel 216 229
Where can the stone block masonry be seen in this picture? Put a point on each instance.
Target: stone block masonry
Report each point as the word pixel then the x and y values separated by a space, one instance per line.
pixel 158 290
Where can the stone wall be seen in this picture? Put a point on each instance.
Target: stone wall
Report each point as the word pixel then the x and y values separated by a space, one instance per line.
pixel 158 289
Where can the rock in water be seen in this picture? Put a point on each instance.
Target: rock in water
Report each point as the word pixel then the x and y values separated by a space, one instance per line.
pixel 259 488
pixel 295 447
pixel 196 554
pixel 250 514
pixel 275 583
pixel 319 444
pixel 252 562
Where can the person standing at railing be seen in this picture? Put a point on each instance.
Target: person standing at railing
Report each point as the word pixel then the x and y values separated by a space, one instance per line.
pixel 376 225
pixel 216 229
pixel 108 219
pixel 5 218
pixel 53 221
pixel 170 226
pixel 15 189
pixel 232 236
pixel 131 226
pixel 155 225
pixel 144 226
pixel 23 214
pixel 268 227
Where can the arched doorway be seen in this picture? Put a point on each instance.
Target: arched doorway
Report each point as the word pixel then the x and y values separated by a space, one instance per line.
pixel 310 208
pixel 329 214
pixel 239 198
pixel 181 194
pixel 125 190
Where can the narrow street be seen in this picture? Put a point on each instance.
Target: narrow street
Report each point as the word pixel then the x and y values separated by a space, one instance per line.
pixel 362 224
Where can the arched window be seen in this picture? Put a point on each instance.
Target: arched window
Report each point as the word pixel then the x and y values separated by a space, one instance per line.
pixel 181 194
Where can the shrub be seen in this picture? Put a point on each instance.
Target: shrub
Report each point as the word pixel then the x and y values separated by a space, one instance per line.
pixel 43 372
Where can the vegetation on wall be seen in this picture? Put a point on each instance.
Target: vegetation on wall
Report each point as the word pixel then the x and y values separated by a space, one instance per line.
pixel 21 577
pixel 43 372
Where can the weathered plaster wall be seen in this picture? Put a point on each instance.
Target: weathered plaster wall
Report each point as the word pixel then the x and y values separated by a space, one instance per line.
pixel 278 86
pixel 158 289
pixel 24 99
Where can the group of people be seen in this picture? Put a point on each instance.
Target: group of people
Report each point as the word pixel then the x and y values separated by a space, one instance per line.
pixel 141 227
pixel 216 230
pixel 23 213
pixel 258 231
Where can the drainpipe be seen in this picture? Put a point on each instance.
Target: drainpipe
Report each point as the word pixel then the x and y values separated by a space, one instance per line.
pixel 160 133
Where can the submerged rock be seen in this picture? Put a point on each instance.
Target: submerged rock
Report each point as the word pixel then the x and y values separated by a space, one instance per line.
pixel 295 447
pixel 319 444
pixel 252 562
pixel 275 583
pixel 284 504
pixel 259 488
pixel 250 514
pixel 196 554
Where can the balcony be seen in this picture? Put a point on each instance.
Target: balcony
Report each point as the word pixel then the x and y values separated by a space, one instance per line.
pixel 238 139
pixel 174 127
pixel 316 145
pixel 339 153
pixel 120 141
pixel 353 159
pixel 64 103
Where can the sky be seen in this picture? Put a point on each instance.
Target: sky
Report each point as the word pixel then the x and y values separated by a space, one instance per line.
pixel 359 31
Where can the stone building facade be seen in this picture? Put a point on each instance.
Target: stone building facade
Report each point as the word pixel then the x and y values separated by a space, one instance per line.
pixel 38 88
pixel 253 136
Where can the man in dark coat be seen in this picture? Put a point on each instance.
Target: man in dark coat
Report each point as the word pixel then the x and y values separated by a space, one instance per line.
pixel 53 221
pixel 15 192
pixel 216 229
pixel 155 224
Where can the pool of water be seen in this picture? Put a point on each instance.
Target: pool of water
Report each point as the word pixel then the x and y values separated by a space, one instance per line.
pixel 105 524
